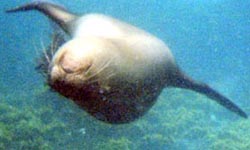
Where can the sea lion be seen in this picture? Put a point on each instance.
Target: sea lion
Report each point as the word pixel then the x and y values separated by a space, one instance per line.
pixel 114 70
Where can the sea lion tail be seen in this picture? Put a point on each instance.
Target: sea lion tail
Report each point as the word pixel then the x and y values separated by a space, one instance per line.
pixel 54 11
pixel 185 82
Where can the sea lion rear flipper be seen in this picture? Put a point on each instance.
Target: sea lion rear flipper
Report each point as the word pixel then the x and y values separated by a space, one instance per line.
pixel 187 83
pixel 55 12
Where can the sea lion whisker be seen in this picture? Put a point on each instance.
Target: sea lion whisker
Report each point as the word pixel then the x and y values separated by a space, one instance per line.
pixel 94 74
pixel 99 69
pixel 102 67
pixel 55 44
pixel 109 76
pixel 52 47
pixel 92 81
pixel 98 79
pixel 36 49
pixel 45 52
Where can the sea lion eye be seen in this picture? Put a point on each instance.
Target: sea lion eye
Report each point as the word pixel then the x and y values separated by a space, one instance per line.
pixel 67 70
pixel 74 64
pixel 67 64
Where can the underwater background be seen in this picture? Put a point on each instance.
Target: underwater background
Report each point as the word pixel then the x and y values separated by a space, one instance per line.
pixel 210 40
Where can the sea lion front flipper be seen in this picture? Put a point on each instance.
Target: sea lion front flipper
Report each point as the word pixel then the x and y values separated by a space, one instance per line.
pixel 182 81
pixel 55 12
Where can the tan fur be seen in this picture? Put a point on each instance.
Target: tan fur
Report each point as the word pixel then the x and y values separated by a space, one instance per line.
pixel 114 70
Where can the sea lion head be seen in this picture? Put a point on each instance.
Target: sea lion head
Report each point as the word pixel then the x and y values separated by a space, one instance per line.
pixel 80 62
pixel 72 62
pixel 82 69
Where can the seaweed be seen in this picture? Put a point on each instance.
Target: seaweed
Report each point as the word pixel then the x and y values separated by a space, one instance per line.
pixel 52 122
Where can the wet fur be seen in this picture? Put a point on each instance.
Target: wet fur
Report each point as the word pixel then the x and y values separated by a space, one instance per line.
pixel 133 92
